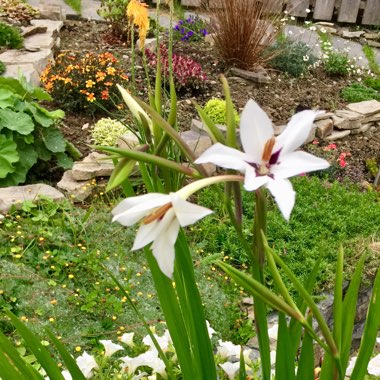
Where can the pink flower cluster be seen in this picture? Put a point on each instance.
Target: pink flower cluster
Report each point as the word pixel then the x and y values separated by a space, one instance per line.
pixel 342 156
pixel 186 71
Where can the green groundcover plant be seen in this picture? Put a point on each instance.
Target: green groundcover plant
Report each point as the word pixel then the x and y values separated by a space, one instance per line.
pixel 10 37
pixel 28 131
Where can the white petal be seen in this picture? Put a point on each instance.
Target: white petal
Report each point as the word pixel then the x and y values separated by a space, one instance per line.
pixel 374 366
pixel 146 234
pixel 255 130
pixel 225 157
pixel 296 163
pixel 284 195
pixel 186 212
pixel 230 369
pixel 132 209
pixel 296 132
pixel 163 245
pixel 252 181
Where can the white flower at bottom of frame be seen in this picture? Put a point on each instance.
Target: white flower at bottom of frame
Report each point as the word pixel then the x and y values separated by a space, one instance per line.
pixel 228 349
pixel 268 160
pixel 161 217
pixel 163 341
pixel 147 359
pixel 87 364
pixel 231 369
pixel 127 338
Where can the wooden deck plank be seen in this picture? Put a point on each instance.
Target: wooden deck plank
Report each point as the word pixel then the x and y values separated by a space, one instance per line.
pixel 348 11
pixel 298 8
pixel 371 14
pixel 324 9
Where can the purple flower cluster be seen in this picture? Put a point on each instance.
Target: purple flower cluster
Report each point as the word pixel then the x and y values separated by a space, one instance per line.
pixel 191 29
pixel 186 71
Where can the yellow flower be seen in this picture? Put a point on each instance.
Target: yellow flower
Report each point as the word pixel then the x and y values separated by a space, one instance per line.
pixel 137 12
pixel 90 83
pixel 91 97
pixel 111 70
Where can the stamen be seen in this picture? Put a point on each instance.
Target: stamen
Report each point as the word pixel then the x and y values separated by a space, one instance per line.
pixel 157 214
pixel 267 152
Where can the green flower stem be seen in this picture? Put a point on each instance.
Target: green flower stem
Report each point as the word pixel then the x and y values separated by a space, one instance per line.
pixel 133 56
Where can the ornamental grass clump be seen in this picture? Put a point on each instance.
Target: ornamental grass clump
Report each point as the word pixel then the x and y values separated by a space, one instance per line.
pixel 84 81
pixel 187 73
pixel 244 29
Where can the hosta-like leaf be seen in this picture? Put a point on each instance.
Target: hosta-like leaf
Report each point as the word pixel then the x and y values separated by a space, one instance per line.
pixel 8 156
pixel 64 161
pixel 16 121
pixel 53 140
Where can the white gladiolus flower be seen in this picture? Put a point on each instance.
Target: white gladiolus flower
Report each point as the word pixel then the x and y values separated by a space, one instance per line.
pixel 273 331
pixel 86 364
pixel 148 359
pixel 127 338
pixel 230 369
pixel 66 375
pixel 161 217
pixel 163 342
pixel 268 160
pixel 374 366
pixel 227 349
pixel 351 366
pixel 210 330
pixel 110 347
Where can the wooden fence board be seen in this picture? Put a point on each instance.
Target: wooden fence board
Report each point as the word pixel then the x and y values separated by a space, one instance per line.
pixel 298 8
pixel 324 9
pixel 348 11
pixel 371 14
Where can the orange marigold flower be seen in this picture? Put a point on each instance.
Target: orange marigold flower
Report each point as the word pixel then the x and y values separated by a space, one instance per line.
pixel 100 76
pixel 108 84
pixel 48 86
pixel 91 97
pixel 84 92
pixel 90 83
pixel 105 95
pixel 68 80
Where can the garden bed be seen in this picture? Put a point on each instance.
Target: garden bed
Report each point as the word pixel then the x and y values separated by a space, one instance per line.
pixel 280 98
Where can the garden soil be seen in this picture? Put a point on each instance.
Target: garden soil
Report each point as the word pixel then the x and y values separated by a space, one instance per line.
pixel 279 98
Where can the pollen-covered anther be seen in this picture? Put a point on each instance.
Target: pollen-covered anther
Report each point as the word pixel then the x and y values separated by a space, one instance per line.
pixel 268 147
pixel 157 214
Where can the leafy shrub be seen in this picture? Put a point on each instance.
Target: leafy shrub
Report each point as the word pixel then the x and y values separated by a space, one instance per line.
pixel 106 131
pixel 372 167
pixel 115 13
pixel 10 37
pixel 244 29
pixel 83 81
pixel 293 58
pixel 373 83
pixel 17 10
pixel 28 131
pixel 371 57
pixel 358 93
pixel 2 67
pixel 216 111
pixel 186 71
pixel 191 29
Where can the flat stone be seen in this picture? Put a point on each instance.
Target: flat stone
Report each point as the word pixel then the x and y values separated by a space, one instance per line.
pixel 28 70
pixel 150 43
pixel 367 108
pixel 348 34
pixel 364 128
pixel 373 44
pixel 77 191
pixel 326 28
pixel 40 41
pixel 127 141
pixel 52 12
pixel 325 115
pixel 31 30
pixel 258 76
pixel 337 135
pixel 15 195
pixel 311 136
pixel 210 39
pixel 197 142
pixel 340 122
pixel 324 128
pixel 198 126
pixel 372 118
pixel 92 166
pixel 38 59
pixel 350 115
pixel 53 27
pixel 324 23
pixel 372 36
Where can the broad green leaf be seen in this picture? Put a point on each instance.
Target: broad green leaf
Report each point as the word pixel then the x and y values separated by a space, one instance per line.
pixel 230 115
pixel 27 92
pixel 55 115
pixel 28 156
pixel 53 139
pixel 369 336
pixel 284 360
pixel 64 161
pixel 121 172
pixel 306 360
pixel 16 177
pixel 7 97
pixel 39 117
pixel 8 156
pixel 16 121
pixel 43 153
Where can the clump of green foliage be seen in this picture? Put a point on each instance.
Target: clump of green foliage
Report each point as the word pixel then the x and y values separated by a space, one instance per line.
pixel 358 93
pixel 115 13
pixel 2 67
pixel 372 82
pixel 291 57
pixel 28 131
pixel 17 10
pixel 106 131
pixel 371 165
pixel 10 37
pixel 216 111
pixel 371 57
